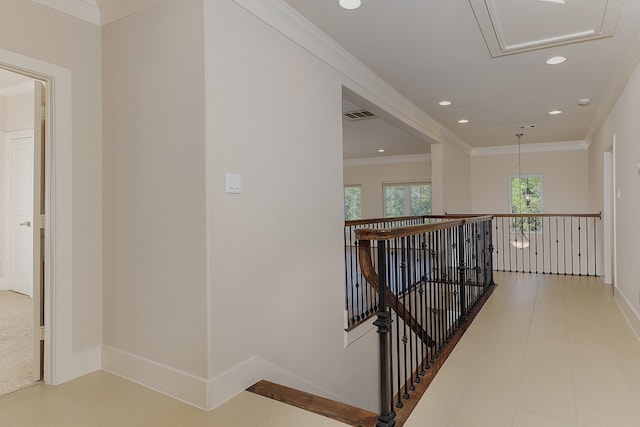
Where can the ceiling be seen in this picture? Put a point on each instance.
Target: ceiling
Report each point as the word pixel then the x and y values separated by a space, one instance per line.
pixel 488 58
pixel 363 138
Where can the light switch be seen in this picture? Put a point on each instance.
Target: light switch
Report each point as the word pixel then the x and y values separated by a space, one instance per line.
pixel 233 183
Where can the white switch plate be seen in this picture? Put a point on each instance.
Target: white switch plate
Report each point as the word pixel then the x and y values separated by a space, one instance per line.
pixel 233 183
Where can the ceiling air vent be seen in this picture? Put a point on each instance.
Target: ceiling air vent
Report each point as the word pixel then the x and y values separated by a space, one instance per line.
pixel 359 115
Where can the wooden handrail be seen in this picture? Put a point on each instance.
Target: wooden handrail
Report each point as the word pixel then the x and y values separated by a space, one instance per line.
pixel 382 220
pixel 463 216
pixel 365 234
pixel 370 274
pixel 538 215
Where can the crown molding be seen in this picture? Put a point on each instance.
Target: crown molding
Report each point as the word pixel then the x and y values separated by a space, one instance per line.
pixel 361 80
pixel 86 10
pixel 18 89
pixel 98 12
pixel 115 10
pixel 386 160
pixel 543 147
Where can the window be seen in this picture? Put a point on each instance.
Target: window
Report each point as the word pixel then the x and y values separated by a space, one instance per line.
pixel 526 198
pixel 407 199
pixel 352 202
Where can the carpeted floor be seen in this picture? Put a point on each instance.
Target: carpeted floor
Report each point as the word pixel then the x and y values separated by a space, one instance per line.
pixel 16 345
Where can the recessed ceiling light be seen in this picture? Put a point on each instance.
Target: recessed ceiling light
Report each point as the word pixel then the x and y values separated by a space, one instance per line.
pixel 583 102
pixel 381 151
pixel 555 112
pixel 444 103
pixel 463 121
pixel 555 60
pixel 350 4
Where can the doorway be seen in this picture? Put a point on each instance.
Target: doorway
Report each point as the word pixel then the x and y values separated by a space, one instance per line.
pixel 22 122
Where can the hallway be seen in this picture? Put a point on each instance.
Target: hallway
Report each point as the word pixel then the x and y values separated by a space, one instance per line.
pixel 545 351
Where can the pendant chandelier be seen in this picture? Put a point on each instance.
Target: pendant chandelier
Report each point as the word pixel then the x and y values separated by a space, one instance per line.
pixel 519 240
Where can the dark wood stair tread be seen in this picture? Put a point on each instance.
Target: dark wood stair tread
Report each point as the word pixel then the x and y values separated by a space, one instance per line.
pixel 342 412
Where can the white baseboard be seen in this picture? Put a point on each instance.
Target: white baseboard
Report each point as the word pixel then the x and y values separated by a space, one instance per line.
pixel 629 312
pixel 180 385
pixel 199 392
pixel 71 365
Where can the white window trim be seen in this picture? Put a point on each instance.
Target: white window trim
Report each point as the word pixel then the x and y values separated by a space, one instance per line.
pixel 407 200
pixel 510 201
pixel 344 205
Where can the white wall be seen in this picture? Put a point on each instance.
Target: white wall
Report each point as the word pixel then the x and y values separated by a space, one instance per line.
pixel 623 123
pixel 372 177
pixel 450 179
pixel 276 250
pixel 19 112
pixel 58 45
pixel 155 287
pixel 3 119
pixel 565 180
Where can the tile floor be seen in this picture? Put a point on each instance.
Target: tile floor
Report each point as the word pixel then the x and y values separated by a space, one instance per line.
pixel 101 399
pixel 545 351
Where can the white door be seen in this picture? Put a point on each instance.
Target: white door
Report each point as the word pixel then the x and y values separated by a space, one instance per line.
pixel 607 221
pixel 19 228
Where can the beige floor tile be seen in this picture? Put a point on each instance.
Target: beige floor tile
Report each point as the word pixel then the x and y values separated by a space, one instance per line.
pixel 606 414
pixel 291 416
pixel 547 392
pixel 482 407
pixel 246 409
pixel 548 351
pixel 524 418
pixel 178 415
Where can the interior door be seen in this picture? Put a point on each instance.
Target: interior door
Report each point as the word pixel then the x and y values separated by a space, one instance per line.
pixel 38 235
pixel 19 211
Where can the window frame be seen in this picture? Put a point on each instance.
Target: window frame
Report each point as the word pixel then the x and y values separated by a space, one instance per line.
pixel 344 201
pixel 510 189
pixel 407 196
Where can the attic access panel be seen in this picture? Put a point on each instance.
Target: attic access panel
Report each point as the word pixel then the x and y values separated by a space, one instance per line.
pixel 514 26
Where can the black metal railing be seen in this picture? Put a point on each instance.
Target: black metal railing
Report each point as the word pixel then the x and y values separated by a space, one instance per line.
pixel 546 243
pixel 430 279
pixel 543 243
pixel 361 301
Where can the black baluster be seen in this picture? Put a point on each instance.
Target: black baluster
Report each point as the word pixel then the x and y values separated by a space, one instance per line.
pixel 595 249
pixel 461 272
pixel 383 322
pixel 579 248
pixel 586 229
pixel 557 249
pixel 543 254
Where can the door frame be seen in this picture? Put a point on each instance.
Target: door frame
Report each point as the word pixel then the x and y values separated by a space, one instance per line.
pixel 61 361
